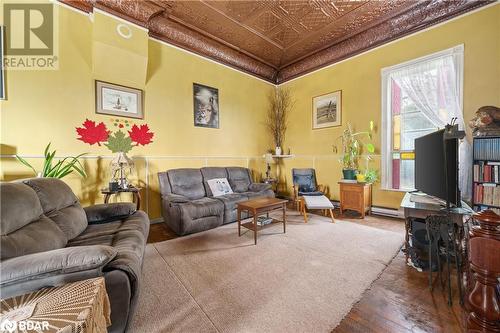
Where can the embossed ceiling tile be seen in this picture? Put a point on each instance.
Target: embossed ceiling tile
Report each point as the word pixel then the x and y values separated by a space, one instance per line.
pixel 177 34
pixel 423 15
pixel 356 21
pixel 294 36
pixel 212 23
pixel 138 11
pixel 266 21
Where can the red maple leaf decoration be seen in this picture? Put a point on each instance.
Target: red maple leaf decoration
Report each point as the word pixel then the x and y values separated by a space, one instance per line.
pixel 141 135
pixel 91 133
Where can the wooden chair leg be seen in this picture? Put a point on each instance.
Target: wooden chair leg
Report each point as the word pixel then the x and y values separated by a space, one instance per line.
pixel 304 211
pixel 331 215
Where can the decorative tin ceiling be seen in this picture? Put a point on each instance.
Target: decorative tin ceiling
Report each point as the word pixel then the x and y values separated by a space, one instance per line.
pixel 280 40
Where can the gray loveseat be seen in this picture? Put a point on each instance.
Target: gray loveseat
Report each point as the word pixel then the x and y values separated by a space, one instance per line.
pixel 188 205
pixel 48 239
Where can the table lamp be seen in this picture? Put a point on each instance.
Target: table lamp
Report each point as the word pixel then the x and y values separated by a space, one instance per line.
pixel 120 164
pixel 269 160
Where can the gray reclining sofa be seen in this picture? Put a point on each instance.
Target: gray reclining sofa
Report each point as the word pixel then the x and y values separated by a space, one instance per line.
pixel 188 205
pixel 48 239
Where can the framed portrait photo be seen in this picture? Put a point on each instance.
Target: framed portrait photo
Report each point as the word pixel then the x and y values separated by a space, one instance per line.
pixel 327 110
pixel 117 100
pixel 206 106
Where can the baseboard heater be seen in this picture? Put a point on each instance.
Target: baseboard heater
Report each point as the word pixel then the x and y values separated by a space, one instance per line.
pixel 382 211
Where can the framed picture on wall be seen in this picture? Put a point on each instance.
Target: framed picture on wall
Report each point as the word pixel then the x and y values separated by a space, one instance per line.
pixel 206 106
pixel 118 100
pixel 2 73
pixel 327 110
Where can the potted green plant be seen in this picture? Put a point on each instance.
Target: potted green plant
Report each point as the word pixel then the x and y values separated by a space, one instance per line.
pixel 352 145
pixel 60 169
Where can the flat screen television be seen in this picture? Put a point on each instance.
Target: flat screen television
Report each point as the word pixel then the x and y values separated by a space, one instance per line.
pixel 430 166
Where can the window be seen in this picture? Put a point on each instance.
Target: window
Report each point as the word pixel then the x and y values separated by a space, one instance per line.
pixel 418 97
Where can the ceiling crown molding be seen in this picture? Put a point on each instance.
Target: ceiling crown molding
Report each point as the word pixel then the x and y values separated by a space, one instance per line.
pixel 279 41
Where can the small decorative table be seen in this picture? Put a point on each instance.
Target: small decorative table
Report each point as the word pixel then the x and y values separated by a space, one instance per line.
pixel 356 196
pixel 81 306
pixel 136 192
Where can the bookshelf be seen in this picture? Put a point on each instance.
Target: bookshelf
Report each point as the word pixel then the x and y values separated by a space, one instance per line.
pixel 486 173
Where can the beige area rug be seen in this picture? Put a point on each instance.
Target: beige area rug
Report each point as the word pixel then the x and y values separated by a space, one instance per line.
pixel 306 280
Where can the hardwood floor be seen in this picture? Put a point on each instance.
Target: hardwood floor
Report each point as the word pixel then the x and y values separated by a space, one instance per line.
pixel 398 301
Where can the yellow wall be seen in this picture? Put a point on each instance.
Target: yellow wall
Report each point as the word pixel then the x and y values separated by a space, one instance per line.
pixel 359 79
pixel 45 106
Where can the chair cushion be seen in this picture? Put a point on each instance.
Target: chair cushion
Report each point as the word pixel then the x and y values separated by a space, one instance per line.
pixel 202 208
pixel 239 178
pixel 311 194
pixel 60 204
pixel 187 182
pixel 304 179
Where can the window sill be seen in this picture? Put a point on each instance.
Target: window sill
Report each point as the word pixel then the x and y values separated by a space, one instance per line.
pixel 396 190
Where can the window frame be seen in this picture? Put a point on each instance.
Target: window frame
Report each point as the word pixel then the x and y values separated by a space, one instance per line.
pixel 386 150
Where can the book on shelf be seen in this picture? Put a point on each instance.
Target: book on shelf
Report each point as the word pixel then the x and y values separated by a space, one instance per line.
pixel 487 194
pixel 487 172
pixel 487 149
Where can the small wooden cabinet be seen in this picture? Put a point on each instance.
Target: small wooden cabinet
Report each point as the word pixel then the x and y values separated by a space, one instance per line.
pixel 356 196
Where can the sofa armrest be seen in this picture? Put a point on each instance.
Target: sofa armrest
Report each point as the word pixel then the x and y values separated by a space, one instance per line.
pixel 103 213
pixel 175 198
pixel 33 271
pixel 258 187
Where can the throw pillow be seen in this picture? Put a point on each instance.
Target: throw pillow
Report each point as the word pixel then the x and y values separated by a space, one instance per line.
pixel 219 186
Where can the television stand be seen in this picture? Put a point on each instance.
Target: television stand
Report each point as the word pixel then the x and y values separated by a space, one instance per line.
pixel 421 210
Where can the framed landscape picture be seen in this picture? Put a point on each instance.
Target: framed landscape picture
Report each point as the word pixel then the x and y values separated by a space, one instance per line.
pixel 118 100
pixel 327 110
pixel 206 106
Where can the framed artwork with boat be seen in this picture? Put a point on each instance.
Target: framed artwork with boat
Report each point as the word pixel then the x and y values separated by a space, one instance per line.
pixel 117 100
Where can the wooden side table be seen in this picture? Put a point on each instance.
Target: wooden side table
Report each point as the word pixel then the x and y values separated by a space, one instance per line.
pixel 357 197
pixel 136 192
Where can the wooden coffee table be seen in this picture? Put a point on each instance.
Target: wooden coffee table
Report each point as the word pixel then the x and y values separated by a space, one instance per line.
pixel 260 206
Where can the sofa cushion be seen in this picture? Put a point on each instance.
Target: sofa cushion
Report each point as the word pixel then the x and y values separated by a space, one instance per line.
pixel 202 208
pixel 212 173
pixel 38 236
pixel 60 204
pixel 103 213
pixel 230 200
pixel 187 182
pixel 261 194
pixel 239 178
pixel 60 261
pixel 23 227
pixel 19 206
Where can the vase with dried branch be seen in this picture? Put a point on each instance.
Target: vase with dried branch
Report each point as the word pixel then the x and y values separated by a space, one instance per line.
pixel 280 106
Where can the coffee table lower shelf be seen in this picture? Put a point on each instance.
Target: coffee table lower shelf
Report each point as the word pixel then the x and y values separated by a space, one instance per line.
pixel 257 207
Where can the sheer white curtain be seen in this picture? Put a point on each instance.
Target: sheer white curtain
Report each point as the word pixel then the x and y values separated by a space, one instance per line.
pixel 434 85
